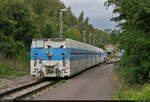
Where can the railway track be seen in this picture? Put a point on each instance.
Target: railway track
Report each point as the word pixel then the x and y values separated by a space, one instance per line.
pixel 32 88
pixel 111 61
pixel 26 90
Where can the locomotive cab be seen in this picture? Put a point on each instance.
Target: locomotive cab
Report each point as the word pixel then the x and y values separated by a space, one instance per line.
pixel 49 58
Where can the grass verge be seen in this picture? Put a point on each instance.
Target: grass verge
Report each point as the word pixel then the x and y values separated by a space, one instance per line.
pixel 131 92
pixel 60 82
pixel 141 92
pixel 14 67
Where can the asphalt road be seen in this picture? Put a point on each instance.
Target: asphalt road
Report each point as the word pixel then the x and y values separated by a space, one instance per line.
pixel 98 83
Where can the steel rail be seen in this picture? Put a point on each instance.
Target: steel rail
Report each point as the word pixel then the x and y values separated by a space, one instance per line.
pixel 34 91
pixel 22 88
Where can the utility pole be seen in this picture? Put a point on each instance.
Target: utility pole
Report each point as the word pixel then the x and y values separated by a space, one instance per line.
pixel 84 36
pixel 61 22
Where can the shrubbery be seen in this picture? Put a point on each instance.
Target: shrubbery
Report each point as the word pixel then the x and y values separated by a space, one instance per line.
pixel 133 38
pixel 136 60
pixel 134 93
pixel 9 47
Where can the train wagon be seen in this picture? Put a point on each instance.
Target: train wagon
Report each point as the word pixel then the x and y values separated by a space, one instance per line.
pixel 59 57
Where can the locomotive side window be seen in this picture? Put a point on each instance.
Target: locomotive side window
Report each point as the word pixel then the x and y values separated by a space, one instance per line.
pixel 61 46
pixel 49 47
pixel 39 43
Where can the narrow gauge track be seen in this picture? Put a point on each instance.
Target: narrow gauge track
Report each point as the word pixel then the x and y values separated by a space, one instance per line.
pixel 26 90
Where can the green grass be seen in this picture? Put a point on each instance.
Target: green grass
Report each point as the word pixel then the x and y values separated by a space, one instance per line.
pixel 141 92
pixel 30 97
pixel 14 67
pixel 128 91
pixel 60 82
pixel 4 87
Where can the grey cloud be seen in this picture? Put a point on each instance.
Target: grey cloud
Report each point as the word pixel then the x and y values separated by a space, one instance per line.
pixel 95 10
pixel 103 24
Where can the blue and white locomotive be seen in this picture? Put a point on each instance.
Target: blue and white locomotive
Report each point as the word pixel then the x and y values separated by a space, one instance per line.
pixel 59 57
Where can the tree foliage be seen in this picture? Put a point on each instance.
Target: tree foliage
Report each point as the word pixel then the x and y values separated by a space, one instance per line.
pixel 134 37
pixel 23 20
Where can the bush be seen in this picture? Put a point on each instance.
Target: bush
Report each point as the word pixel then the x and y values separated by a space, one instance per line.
pixel 134 38
pixel 136 93
pixel 9 47
pixel 15 66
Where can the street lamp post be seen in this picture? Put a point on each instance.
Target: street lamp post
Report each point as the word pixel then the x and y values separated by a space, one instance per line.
pixel 94 40
pixel 90 38
pixel 100 42
pixel 84 36
pixel 97 42
pixel 61 22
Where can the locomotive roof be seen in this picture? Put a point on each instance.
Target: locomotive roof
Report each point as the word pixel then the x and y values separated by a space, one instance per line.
pixel 49 38
pixel 62 39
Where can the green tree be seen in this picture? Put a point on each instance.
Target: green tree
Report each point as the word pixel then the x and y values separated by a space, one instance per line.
pixel 74 34
pixel 81 17
pixel 134 38
pixel 16 20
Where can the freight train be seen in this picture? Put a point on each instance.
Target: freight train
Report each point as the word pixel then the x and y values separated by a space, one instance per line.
pixel 60 57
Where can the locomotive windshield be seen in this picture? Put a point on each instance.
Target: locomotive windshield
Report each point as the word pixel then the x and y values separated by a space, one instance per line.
pixel 39 43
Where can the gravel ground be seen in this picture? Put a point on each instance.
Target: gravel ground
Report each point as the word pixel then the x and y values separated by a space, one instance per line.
pixel 98 83
pixel 6 85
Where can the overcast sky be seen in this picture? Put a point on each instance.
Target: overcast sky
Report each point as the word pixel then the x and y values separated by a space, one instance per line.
pixel 95 10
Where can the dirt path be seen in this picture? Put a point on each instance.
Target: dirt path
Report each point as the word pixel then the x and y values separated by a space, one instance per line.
pixel 97 83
